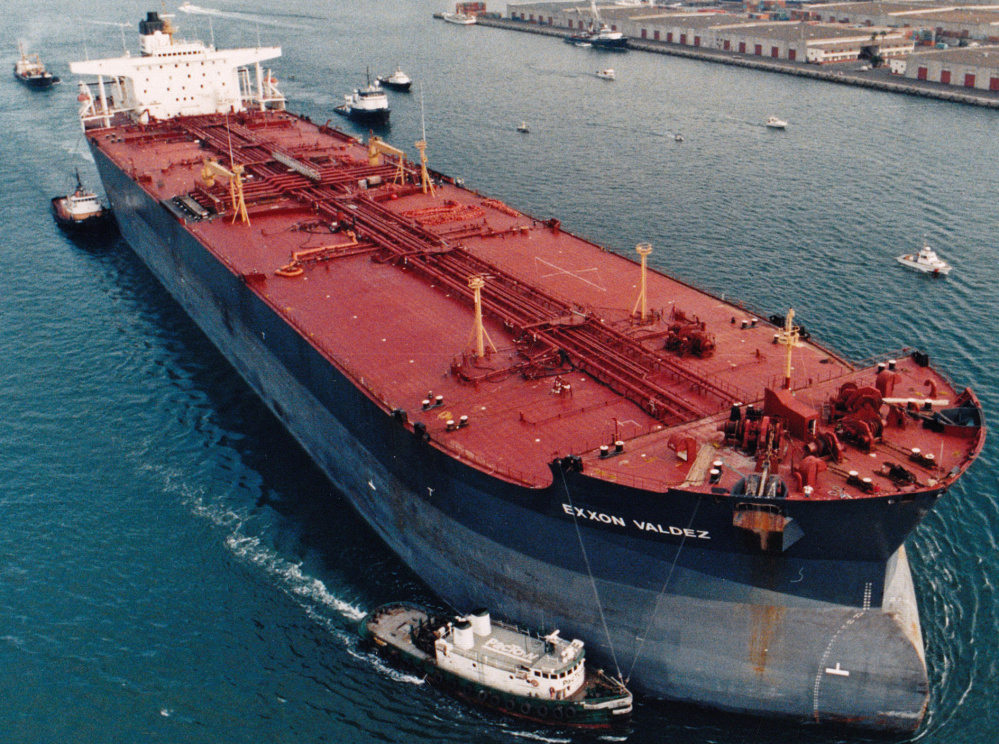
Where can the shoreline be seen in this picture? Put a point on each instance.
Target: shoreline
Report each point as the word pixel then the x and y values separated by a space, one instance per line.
pixel 879 79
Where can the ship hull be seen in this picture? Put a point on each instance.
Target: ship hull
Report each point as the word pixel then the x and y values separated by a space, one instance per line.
pixel 370 117
pixel 38 82
pixel 799 635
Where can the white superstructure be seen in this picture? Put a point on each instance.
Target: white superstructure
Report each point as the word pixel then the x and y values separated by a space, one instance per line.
pixel 174 78
pixel 504 658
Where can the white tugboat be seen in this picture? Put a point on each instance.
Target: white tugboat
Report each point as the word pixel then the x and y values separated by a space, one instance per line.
pixel 368 105
pixel 81 211
pixel 926 261
pixel 500 666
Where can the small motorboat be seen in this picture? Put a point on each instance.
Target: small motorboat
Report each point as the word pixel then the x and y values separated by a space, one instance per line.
pixel 30 71
pixel 775 122
pixel 500 666
pixel 81 211
pixel 678 137
pixel 606 74
pixel 522 127
pixel 398 80
pixel 926 261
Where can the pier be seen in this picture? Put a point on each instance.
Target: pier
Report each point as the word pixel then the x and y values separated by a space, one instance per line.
pixel 877 79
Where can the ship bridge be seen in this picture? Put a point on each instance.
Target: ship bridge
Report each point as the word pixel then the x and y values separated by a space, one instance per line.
pixel 173 78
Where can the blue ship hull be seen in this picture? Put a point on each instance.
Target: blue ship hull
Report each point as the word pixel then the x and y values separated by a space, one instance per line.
pixel 690 614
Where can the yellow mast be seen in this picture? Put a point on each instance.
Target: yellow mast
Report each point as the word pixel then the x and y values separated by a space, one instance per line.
pixel 788 338
pixel 479 332
pixel 643 250
pixel 427 184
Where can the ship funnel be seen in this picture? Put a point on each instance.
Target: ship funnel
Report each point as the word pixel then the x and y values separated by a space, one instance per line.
pixel 463 636
pixel 481 625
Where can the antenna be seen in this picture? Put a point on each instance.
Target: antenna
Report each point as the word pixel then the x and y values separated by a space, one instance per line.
pixel 211 29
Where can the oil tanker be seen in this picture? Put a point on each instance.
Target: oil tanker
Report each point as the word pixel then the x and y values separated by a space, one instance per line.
pixel 713 501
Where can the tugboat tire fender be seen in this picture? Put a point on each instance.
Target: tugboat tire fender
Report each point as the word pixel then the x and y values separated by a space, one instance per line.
pixel 525 708
pixel 543 712
pixel 494 700
pixel 483 695
pixel 509 705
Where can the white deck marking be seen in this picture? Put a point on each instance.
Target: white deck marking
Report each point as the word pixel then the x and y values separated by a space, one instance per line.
pixel 573 274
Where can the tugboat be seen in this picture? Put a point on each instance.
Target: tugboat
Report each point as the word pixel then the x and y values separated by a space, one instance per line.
pixel 367 105
pixel 81 211
pixel 500 666
pixel 398 80
pixel 926 261
pixel 30 71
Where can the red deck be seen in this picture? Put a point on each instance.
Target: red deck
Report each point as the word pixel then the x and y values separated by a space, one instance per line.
pixel 394 311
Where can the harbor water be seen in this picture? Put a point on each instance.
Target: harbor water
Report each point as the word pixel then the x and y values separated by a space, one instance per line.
pixel 172 566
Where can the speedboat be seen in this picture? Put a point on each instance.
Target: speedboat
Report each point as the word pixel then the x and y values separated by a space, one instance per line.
pixel 926 261
pixel 522 127
pixel 775 122
pixel 398 80
pixel 607 74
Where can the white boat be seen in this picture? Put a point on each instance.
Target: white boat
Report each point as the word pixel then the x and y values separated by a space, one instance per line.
pixel 522 127
pixel 398 80
pixel 775 122
pixel 368 105
pixel 461 19
pixel 926 261
pixel 542 678
pixel 607 74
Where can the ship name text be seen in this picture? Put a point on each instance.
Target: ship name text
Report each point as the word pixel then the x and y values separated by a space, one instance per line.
pixel 594 516
pixel 509 649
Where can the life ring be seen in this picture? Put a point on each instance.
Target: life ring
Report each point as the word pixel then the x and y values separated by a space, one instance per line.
pixel 534 683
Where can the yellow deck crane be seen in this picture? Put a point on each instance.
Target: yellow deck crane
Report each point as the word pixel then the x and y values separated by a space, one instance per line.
pixel 212 168
pixel 378 147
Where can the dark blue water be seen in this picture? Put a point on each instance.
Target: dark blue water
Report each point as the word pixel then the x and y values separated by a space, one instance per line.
pixel 173 568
